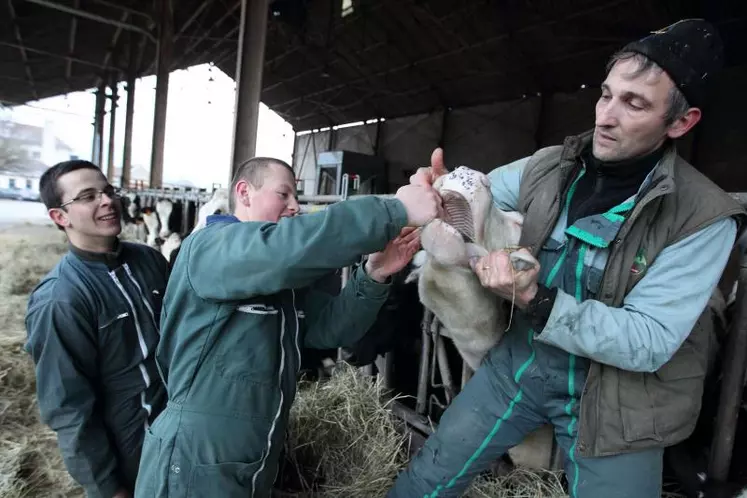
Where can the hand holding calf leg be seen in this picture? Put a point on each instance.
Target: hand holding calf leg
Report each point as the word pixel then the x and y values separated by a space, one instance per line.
pixel 510 276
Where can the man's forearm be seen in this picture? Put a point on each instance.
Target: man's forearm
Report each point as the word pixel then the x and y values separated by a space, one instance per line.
pixel 242 260
pixel 340 321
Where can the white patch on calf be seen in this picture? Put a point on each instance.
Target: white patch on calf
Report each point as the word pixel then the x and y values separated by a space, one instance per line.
pixel 135 232
pixel 150 218
pixel 132 207
pixel 218 203
pixel 171 244
pixel 164 208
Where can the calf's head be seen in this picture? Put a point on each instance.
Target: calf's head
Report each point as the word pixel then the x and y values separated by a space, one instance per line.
pixel 471 225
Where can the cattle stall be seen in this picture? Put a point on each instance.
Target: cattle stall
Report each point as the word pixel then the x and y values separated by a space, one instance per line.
pixel 406 350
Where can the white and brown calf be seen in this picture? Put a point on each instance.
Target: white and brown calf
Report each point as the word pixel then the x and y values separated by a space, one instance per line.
pixel 473 317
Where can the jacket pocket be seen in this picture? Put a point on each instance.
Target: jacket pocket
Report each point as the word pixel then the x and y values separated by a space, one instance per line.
pixel 150 472
pixel 108 322
pixel 249 349
pixel 551 253
pixel 636 406
pixel 227 480
pixel 662 406
pixel 117 332
pixel 593 282
pixel 679 392
pixel 257 309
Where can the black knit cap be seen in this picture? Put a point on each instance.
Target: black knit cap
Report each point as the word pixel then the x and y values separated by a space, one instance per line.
pixel 690 51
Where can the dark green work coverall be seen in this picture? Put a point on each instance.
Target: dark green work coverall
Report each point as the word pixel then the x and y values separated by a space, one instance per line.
pixel 236 312
pixel 92 333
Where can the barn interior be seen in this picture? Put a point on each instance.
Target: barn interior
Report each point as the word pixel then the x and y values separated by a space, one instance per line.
pixel 371 87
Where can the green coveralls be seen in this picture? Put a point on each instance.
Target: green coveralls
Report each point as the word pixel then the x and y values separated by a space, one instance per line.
pixel 523 384
pixel 236 312
pixel 92 326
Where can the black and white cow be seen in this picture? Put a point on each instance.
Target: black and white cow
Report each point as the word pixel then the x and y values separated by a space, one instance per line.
pixel 167 224
pixel 217 204
pixel 133 224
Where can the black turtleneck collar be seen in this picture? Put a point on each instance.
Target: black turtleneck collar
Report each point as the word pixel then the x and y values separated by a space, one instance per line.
pixel 629 167
pixel 111 259
pixel 607 184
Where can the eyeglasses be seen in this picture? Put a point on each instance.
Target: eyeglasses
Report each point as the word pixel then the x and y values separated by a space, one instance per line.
pixel 92 195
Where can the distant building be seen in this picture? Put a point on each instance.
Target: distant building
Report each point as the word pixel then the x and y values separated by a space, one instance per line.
pixel 35 142
pixel 20 179
pixel 26 151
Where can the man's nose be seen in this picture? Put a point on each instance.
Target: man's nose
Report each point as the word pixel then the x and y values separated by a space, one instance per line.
pixel 606 115
pixel 105 199
pixel 293 206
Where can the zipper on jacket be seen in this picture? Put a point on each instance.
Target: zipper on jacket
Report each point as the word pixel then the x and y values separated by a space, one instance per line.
pixel 626 227
pixel 142 296
pixel 143 349
pixel 257 309
pixel 280 404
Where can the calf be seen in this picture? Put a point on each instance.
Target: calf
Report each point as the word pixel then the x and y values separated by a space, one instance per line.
pixel 218 204
pixel 133 225
pixel 472 226
pixel 473 317
pixel 170 217
pixel 150 218
pixel 131 205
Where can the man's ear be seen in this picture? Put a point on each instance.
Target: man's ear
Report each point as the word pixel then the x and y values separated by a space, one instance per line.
pixel 684 123
pixel 243 193
pixel 59 217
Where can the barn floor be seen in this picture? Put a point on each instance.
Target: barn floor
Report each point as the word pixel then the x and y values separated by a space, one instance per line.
pixel 357 427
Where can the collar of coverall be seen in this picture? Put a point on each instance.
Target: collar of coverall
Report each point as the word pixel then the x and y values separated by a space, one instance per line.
pixel 222 218
pixel 111 259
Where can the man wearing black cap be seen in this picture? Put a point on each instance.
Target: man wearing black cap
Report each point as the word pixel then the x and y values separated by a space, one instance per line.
pixel 611 339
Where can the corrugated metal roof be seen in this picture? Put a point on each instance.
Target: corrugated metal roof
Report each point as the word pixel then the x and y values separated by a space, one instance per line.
pixel 387 58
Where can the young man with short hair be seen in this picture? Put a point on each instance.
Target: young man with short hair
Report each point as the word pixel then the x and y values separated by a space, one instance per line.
pixel 612 339
pixel 92 326
pixel 238 308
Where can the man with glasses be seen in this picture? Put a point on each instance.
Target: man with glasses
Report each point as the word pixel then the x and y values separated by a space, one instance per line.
pixel 93 326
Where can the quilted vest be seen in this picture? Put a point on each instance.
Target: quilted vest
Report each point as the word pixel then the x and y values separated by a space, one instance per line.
pixel 624 411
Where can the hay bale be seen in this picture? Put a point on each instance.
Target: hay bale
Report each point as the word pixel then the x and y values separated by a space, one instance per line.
pixel 25 260
pixel 342 439
pixel 30 462
pixel 344 442
pixel 519 483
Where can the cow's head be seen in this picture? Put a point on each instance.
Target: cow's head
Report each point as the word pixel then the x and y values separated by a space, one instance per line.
pixel 471 225
pixel 132 203
pixel 164 207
